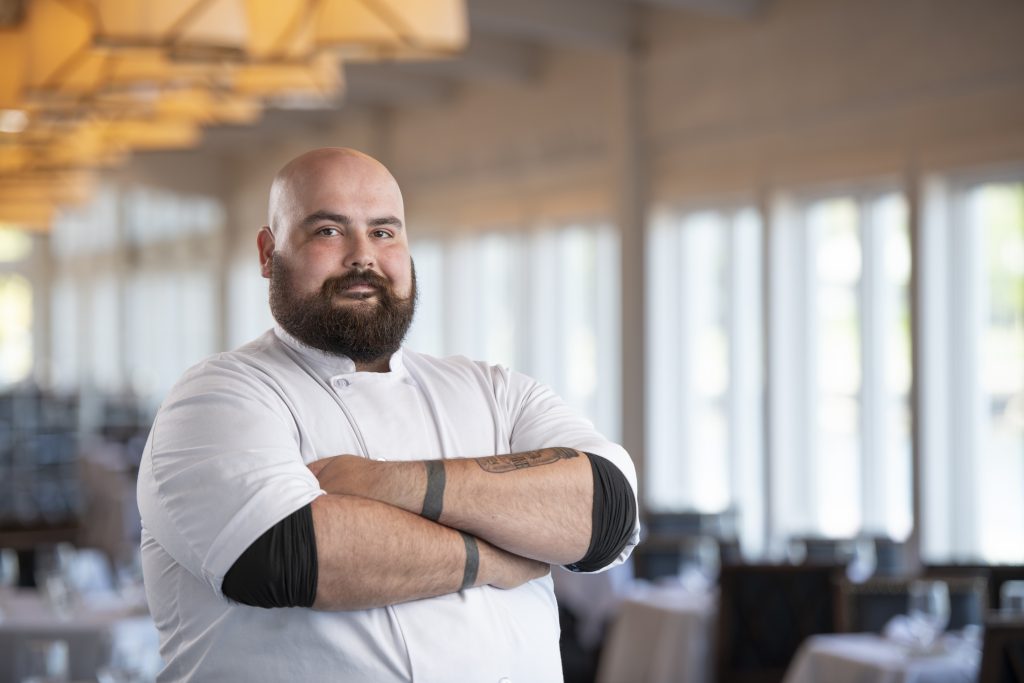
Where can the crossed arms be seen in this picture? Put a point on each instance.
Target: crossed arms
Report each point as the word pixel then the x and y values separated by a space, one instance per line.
pixel 221 463
pixel 519 513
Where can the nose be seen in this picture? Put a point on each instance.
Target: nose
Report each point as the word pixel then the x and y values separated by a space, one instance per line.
pixel 360 254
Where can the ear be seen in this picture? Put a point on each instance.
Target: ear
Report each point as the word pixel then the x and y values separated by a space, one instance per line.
pixel 265 243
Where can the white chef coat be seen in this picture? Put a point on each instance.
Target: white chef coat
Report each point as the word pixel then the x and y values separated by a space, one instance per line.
pixel 226 460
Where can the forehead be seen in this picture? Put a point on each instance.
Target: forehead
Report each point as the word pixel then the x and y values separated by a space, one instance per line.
pixel 358 188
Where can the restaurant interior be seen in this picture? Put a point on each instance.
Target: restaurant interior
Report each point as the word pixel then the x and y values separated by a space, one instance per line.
pixel 775 248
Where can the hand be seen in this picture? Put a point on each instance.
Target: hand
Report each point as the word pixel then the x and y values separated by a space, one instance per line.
pixel 344 474
pixel 400 484
pixel 336 462
pixel 505 570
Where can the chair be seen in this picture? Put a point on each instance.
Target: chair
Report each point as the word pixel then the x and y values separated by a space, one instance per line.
pixel 765 613
pixel 1002 654
pixel 868 606
pixel 658 557
pixel 997 575
pixel 890 557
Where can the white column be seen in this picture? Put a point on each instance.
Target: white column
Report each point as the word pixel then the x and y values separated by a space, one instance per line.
pixel 628 165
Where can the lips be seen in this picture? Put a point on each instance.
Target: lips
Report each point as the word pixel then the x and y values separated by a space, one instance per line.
pixel 355 286
pixel 360 291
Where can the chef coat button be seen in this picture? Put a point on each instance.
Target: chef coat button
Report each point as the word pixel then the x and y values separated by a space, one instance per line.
pixel 504 680
pixel 340 382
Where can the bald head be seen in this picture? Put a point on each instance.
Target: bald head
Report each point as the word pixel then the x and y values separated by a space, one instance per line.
pixel 317 173
pixel 337 256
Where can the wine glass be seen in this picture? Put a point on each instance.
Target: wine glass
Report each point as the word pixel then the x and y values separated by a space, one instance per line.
pixel 1011 598
pixel 8 575
pixel 8 569
pixel 928 604
pixel 699 563
pixel 863 560
pixel 53 572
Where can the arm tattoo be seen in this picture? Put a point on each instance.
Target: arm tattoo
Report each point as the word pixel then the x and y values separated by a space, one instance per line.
pixel 472 561
pixel 433 500
pixel 499 464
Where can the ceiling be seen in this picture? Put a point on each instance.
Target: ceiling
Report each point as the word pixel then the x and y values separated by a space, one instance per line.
pixel 509 41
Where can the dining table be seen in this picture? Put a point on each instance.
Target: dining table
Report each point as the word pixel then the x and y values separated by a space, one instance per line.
pixel 873 658
pixel 661 634
pixel 89 629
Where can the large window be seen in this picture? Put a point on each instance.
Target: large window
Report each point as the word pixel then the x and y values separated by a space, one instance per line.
pixel 248 306
pixel 543 302
pixel 171 316
pixel 135 296
pixel 704 375
pixel 15 328
pixel 972 304
pixel 840 366
pixel 16 307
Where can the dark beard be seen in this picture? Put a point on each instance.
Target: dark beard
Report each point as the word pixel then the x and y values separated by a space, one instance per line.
pixel 365 332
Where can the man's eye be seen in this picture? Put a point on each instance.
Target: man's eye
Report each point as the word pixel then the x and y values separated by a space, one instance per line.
pixel 328 232
pixel 381 233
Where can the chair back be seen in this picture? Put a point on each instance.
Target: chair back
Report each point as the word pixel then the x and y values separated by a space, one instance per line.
pixel 998 575
pixel 868 606
pixel 765 613
pixel 1002 654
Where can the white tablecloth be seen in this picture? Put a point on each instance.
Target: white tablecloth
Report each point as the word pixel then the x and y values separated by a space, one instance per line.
pixel 91 631
pixel 868 658
pixel 661 635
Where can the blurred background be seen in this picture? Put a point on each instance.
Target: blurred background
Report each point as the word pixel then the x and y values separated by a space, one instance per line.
pixel 774 247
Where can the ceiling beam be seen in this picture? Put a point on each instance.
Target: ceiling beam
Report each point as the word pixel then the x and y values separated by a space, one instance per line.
pixel 584 24
pixel 738 9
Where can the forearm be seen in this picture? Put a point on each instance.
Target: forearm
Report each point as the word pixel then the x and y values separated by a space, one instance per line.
pixel 371 554
pixel 535 504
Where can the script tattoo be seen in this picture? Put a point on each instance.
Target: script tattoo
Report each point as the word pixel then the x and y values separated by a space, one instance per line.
pixel 499 464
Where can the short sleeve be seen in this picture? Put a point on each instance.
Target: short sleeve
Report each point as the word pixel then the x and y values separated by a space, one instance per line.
pixel 221 467
pixel 539 418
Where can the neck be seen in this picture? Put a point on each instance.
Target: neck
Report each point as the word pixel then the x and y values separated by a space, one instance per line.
pixel 380 365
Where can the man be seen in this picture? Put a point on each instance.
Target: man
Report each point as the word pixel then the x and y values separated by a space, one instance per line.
pixel 322 504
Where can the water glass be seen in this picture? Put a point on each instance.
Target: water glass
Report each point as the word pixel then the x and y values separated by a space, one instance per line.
pixel 8 575
pixel 1011 598
pixel 8 569
pixel 699 563
pixel 928 609
pixel 863 560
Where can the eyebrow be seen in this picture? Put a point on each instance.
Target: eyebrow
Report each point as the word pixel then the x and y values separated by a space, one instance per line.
pixel 318 216
pixel 344 220
pixel 386 220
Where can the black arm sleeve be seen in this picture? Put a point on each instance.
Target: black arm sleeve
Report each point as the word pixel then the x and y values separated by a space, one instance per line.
pixel 614 514
pixel 280 568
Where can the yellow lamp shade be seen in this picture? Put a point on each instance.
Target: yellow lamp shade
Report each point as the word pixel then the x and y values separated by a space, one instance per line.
pixel 320 75
pixel 203 106
pixel 54 188
pixel 391 28
pixel 13 64
pixel 281 30
pixel 28 215
pixel 154 134
pixel 13 158
pixel 184 27
pixel 63 60
pixel 58 33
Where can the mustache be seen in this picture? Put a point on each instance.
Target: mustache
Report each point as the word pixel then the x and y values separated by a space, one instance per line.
pixel 335 285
